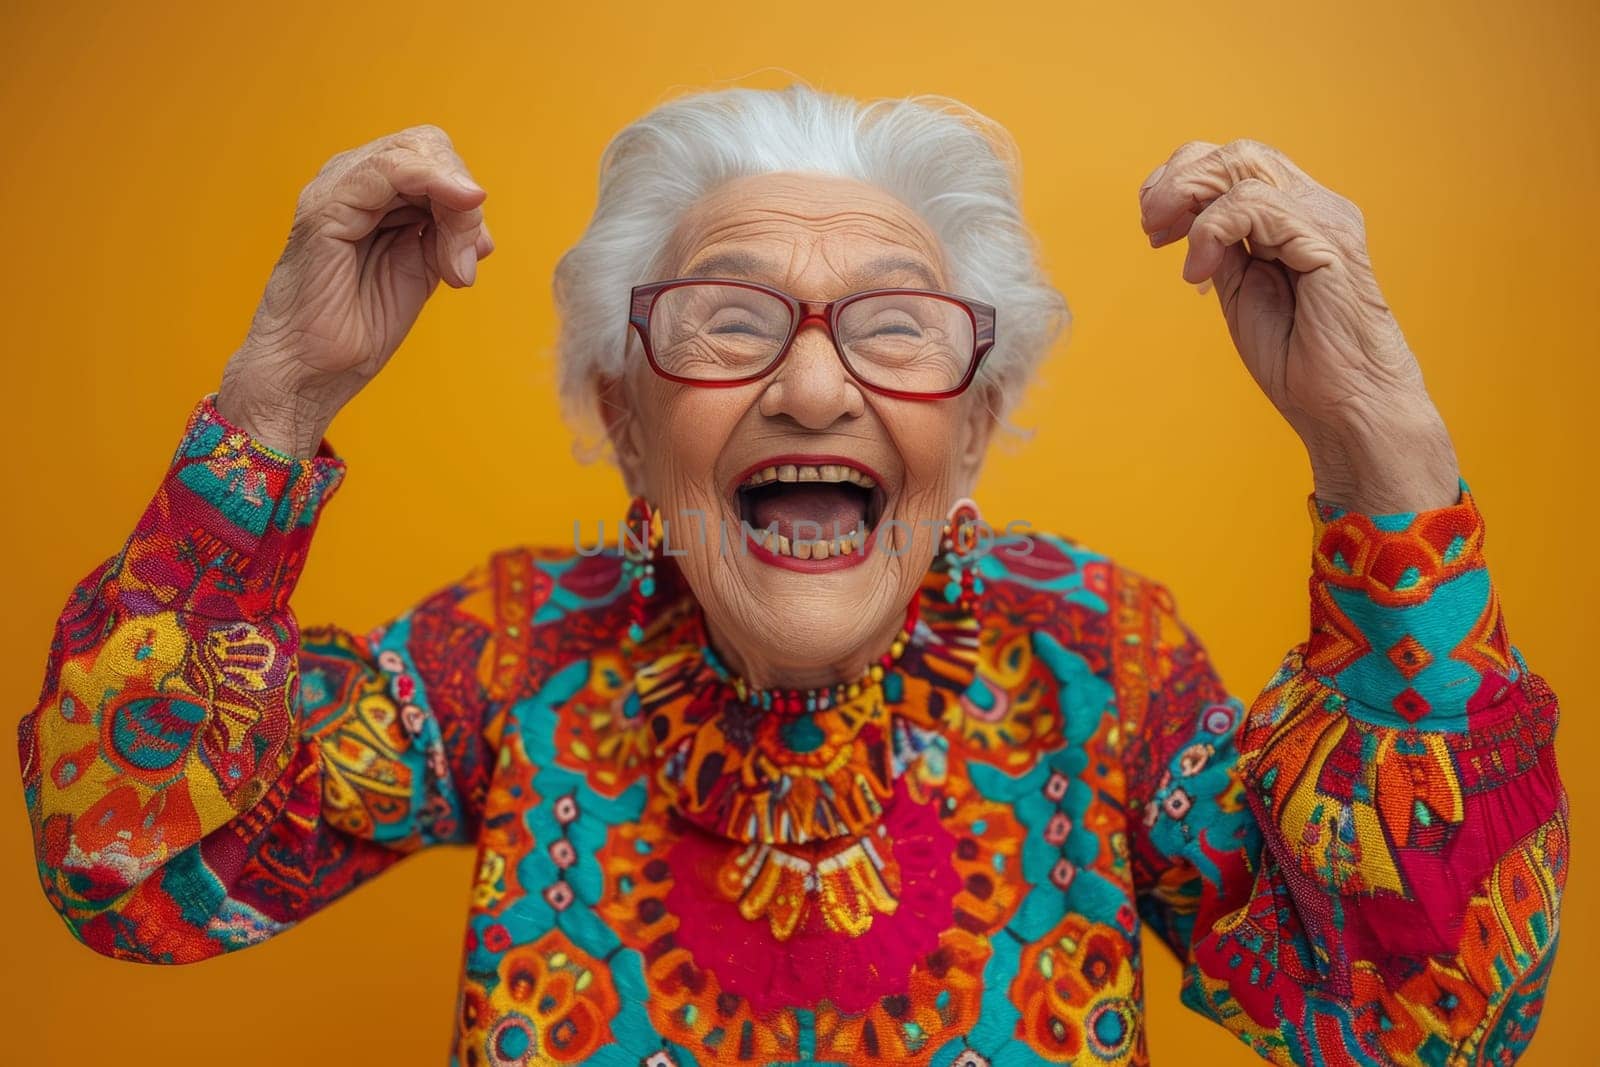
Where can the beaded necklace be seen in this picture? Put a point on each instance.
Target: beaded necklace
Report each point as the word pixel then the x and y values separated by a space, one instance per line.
pixel 795 701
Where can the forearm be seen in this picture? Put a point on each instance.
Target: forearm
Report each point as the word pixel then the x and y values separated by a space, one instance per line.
pixel 171 701
pixel 1398 774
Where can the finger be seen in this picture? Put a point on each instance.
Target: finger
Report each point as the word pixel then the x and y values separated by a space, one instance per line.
pixel 1191 182
pixel 360 195
pixel 458 233
pixel 404 215
pixel 456 237
pixel 397 252
pixel 1229 276
pixel 1267 216
pixel 439 174
pixel 372 183
pixel 453 197
pixel 1158 180
pixel 428 239
pixel 1257 301
pixel 366 194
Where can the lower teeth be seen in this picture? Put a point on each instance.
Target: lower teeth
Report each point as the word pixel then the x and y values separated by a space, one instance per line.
pixel 797 549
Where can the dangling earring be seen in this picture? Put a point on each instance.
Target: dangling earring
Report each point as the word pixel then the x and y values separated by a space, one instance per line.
pixel 640 536
pixel 960 544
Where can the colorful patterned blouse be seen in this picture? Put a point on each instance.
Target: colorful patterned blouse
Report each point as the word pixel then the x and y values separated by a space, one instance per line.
pixel 1363 865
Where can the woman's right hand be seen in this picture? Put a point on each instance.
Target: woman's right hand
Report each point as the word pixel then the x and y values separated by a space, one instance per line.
pixel 373 234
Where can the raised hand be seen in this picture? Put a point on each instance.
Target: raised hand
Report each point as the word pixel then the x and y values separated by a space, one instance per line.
pixel 1289 261
pixel 373 234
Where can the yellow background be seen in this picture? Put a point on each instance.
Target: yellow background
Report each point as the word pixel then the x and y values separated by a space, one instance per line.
pixel 153 159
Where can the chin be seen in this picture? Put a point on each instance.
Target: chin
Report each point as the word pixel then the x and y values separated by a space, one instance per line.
pixel 814 617
pixel 806 573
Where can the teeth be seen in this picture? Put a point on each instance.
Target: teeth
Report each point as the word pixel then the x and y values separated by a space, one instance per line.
pixel 845 545
pixel 801 472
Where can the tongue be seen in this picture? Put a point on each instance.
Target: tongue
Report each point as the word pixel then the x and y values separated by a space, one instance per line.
pixel 829 508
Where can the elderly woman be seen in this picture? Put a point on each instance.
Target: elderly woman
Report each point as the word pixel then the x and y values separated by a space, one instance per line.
pixel 814 764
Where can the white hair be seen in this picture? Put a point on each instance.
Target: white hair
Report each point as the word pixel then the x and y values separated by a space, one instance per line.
pixel 958 169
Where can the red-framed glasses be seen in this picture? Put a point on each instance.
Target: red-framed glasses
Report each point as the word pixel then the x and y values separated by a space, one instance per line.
pixel 916 344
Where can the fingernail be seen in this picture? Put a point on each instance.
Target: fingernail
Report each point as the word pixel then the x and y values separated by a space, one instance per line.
pixel 467 264
pixel 1157 237
pixel 1155 176
pixel 468 184
pixel 1204 287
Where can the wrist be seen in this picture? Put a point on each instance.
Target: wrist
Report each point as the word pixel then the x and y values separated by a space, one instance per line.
pixel 273 413
pixel 1381 463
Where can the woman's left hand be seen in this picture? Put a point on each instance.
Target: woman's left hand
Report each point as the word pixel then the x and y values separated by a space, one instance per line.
pixel 1289 260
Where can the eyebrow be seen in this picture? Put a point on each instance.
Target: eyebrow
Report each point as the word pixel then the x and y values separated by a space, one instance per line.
pixel 741 264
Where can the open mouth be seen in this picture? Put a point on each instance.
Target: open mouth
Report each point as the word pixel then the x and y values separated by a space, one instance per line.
pixel 815 510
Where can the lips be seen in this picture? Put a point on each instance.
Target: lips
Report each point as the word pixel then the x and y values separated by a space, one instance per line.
pixel 813 508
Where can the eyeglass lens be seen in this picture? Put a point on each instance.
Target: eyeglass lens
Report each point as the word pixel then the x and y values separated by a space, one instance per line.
pixel 915 343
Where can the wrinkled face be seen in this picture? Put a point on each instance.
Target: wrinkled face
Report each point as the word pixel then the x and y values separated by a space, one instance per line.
pixel 807 448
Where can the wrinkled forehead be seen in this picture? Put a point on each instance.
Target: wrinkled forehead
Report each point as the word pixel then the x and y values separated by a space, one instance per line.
pixel 807 232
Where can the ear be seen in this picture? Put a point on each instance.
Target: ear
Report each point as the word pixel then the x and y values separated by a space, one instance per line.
pixel 976 433
pixel 622 428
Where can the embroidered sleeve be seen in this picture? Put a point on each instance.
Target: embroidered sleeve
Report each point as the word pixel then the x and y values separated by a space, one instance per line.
pixel 200 772
pixel 1367 866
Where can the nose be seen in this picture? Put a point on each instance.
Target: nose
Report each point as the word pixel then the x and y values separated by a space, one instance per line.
pixel 812 386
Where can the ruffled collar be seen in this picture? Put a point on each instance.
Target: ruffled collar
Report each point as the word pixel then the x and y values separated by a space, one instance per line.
pixel 795 778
